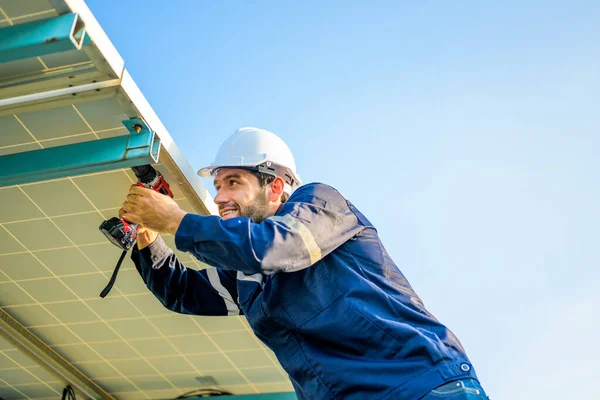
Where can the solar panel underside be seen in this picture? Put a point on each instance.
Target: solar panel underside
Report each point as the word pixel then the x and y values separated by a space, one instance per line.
pixel 54 262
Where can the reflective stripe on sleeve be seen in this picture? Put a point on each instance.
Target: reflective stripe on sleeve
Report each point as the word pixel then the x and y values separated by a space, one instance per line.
pixel 215 281
pixel 298 227
pixel 258 278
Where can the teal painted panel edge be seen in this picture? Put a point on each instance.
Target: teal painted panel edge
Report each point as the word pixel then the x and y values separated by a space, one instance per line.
pixel 38 38
pixel 79 158
pixel 87 40
pixel 263 396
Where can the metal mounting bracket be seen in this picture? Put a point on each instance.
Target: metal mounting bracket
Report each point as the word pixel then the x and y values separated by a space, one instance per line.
pixel 140 147
pixel 42 37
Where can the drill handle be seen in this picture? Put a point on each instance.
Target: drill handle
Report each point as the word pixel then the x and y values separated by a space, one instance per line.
pixel 158 184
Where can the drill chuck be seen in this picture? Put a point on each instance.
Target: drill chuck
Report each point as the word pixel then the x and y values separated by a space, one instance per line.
pixel 145 173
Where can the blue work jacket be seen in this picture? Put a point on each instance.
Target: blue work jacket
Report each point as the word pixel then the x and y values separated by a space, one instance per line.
pixel 319 289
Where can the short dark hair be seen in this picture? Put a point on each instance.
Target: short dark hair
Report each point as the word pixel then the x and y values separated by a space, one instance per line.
pixel 265 179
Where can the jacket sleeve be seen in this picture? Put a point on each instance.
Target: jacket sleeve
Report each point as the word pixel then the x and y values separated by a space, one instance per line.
pixel 187 291
pixel 310 225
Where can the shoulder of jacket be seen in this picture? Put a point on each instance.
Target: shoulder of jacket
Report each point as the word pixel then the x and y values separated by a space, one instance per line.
pixel 316 190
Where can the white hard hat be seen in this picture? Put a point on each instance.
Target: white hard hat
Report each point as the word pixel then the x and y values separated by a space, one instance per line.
pixel 256 148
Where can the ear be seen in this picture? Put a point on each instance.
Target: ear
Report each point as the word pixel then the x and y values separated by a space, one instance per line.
pixel 276 189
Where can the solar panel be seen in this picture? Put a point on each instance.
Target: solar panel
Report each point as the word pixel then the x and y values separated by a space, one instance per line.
pixel 23 376
pixel 54 261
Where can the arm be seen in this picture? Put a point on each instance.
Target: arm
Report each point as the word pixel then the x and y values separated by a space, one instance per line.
pixel 313 223
pixel 186 291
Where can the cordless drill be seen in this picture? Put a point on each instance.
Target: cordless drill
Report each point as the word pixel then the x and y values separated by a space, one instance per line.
pixel 122 233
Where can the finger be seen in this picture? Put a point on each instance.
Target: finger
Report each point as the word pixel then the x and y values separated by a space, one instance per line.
pixel 140 191
pixel 127 206
pixel 131 217
pixel 131 198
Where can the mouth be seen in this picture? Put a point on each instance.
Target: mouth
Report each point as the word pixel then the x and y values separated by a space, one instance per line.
pixel 229 213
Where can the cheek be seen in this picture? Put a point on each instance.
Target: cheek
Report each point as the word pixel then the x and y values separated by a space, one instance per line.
pixel 259 199
pixel 244 195
pixel 239 199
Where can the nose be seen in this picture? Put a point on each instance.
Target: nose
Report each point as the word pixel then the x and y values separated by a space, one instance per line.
pixel 221 197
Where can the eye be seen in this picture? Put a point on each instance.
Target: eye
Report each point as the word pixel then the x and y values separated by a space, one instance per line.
pixel 231 183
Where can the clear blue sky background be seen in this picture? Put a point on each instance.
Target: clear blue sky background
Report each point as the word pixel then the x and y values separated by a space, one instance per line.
pixel 467 131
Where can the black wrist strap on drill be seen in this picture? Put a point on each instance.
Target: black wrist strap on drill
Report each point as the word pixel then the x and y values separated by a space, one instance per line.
pixel 113 278
pixel 68 393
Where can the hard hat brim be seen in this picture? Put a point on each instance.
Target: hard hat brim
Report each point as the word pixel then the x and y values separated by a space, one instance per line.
pixel 207 172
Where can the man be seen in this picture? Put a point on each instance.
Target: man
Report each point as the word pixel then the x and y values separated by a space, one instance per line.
pixel 308 272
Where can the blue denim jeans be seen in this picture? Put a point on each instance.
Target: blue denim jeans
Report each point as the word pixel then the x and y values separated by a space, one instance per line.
pixel 464 389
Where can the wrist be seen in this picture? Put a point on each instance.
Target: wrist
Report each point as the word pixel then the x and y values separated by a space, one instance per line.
pixel 175 221
pixel 146 238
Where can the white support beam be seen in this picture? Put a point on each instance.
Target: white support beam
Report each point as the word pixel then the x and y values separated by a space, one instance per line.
pixel 50 94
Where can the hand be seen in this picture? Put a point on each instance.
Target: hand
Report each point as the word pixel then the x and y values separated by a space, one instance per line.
pixel 152 210
pixel 145 236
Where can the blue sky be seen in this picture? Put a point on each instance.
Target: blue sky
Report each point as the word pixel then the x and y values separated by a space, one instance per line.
pixel 467 132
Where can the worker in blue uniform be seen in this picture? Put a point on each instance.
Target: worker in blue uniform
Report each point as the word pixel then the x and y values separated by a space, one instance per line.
pixel 310 274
